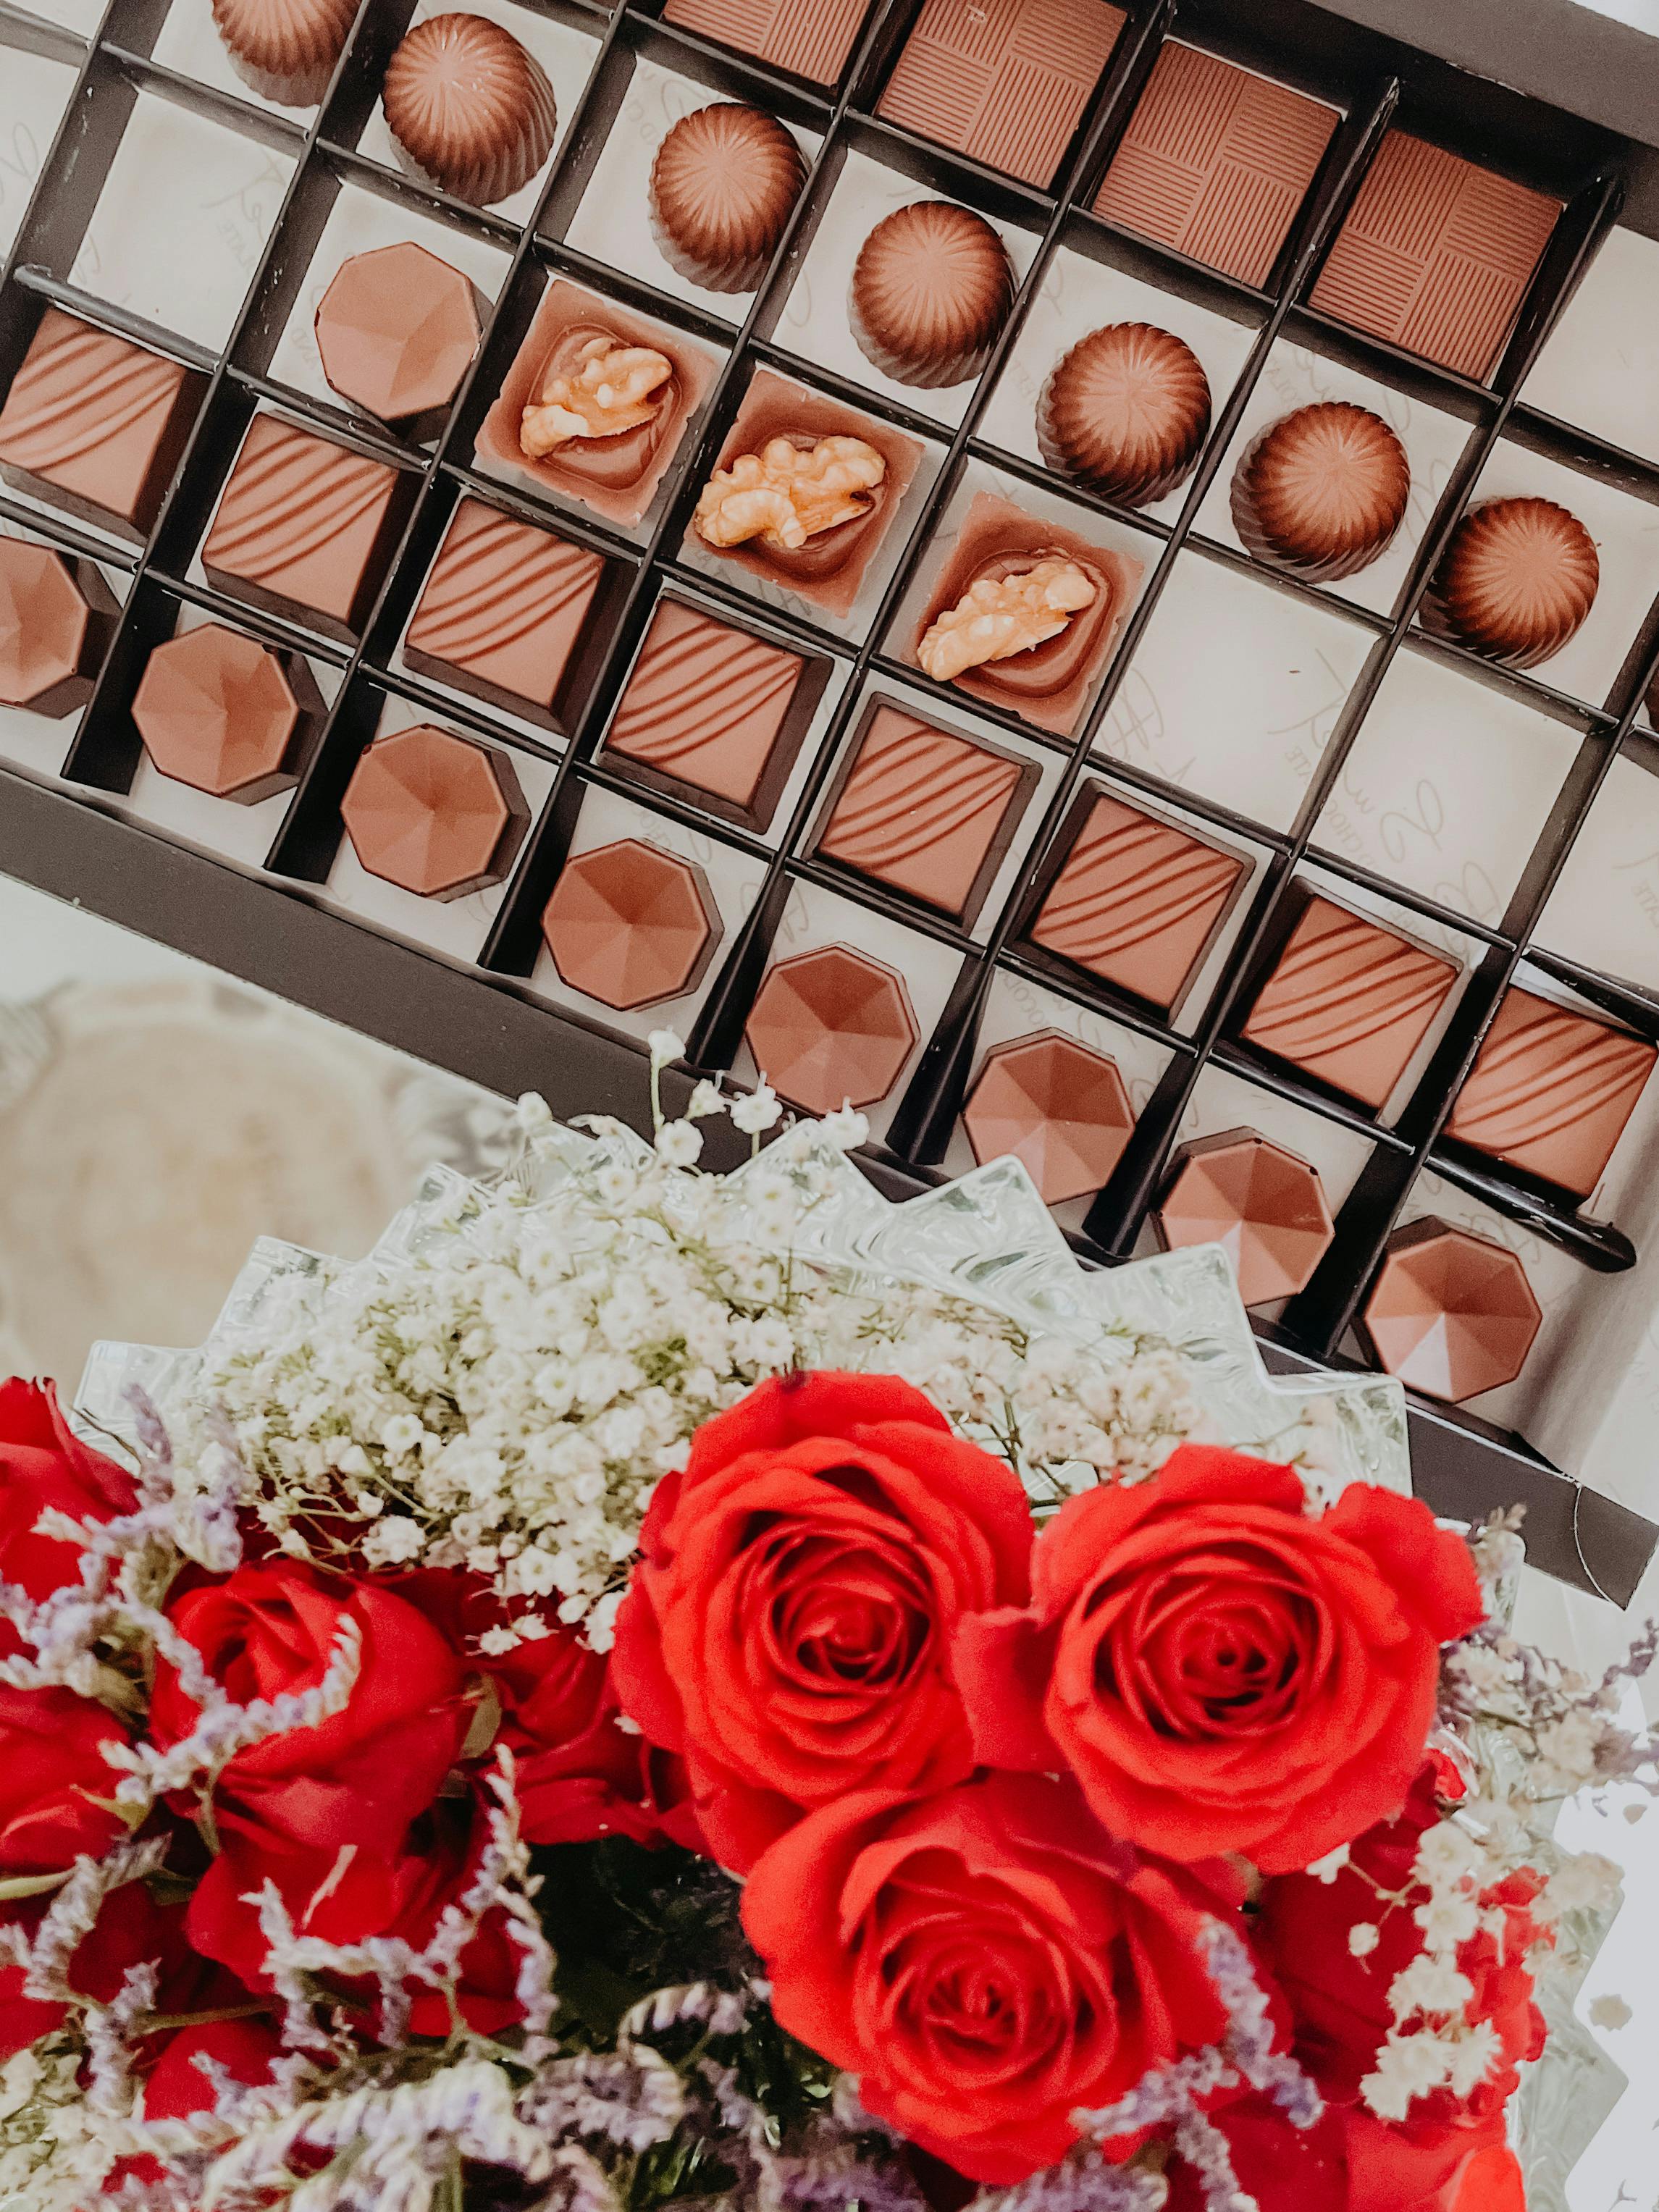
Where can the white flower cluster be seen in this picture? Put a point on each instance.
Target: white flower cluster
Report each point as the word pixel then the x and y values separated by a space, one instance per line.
pixel 1432 2044
pixel 52 2151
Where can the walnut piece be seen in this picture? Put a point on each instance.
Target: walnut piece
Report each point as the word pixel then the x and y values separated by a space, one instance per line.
pixel 785 493
pixel 1000 616
pixel 616 389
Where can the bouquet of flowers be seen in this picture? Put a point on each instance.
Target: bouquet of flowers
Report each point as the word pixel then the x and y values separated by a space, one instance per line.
pixel 645 1694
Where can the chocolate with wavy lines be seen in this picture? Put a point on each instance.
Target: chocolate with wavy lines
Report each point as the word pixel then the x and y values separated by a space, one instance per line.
pixel 305 527
pixel 96 425
pixel 1349 1001
pixel 470 109
pixel 926 811
pixel 932 288
pixel 723 186
pixel 1137 900
pixel 714 713
pixel 505 613
pixel 285 49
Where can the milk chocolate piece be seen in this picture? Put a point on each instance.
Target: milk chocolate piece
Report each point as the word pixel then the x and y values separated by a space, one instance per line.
pixel 1049 683
pixel 926 811
pixel 1056 1107
pixel 1515 581
pixel 810 38
pixel 828 570
pixel 95 425
pixel 471 111
pixel 630 925
pixel 1435 255
pixel 617 477
pixel 285 49
pixel 505 613
pixel 723 186
pixel 711 711
pixel 1550 1091
pixel 831 1028
pixel 1216 162
pixel 1321 492
pixel 305 527
pixel 1137 902
pixel 931 291
pixel 1125 412
pixel 397 329
pixel 435 814
pixel 1348 1002
pixel 56 617
pixel 1262 1205
pixel 1451 1314
pixel 225 714
pixel 1004 84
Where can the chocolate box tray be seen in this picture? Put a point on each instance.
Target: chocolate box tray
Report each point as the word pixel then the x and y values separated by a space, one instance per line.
pixel 1280 728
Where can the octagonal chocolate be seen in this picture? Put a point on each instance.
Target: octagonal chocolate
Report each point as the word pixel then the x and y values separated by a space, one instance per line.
pixel 1451 1313
pixel 397 329
pixel 1265 1207
pixel 831 1028
pixel 1054 1105
pixel 56 618
pixel 628 924
pixel 220 711
pixel 435 814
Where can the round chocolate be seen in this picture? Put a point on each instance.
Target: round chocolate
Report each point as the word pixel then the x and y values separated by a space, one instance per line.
pixel 723 185
pixel 1321 492
pixel 931 290
pixel 1516 582
pixel 470 108
pixel 284 49
pixel 1124 413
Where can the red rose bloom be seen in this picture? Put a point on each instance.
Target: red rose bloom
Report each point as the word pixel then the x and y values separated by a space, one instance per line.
pixel 1348 2161
pixel 1222 1671
pixel 176 2086
pixel 44 1464
pixel 790 1622
pixel 986 1960
pixel 52 1769
pixel 361 1777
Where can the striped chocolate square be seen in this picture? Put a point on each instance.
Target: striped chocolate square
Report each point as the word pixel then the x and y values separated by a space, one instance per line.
pixel 813 38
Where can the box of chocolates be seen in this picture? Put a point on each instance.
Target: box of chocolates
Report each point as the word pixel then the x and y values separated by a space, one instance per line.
pixel 1082 578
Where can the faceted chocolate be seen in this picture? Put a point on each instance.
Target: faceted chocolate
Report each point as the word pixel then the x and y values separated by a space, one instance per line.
pixel 435 814
pixel 1055 1106
pixel 1550 1090
pixel 931 291
pixel 1349 1002
pixel 226 715
pixel 831 1028
pixel 396 333
pixel 1451 1314
pixel 723 186
pixel 57 616
pixel 629 924
pixel 1216 162
pixel 470 109
pixel 1137 902
pixel 1435 255
pixel 285 49
pixel 1516 582
pixel 926 811
pixel 812 38
pixel 1321 492
pixel 1265 1207
pixel 1125 412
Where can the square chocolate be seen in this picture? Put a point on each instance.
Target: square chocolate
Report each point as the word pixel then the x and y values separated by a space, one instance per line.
pixel 305 527
pixel 1005 82
pixel 1349 1001
pixel 1435 255
pixel 505 613
pixel 813 37
pixel 711 712
pixel 1137 900
pixel 1216 162
pixel 96 425
pixel 927 812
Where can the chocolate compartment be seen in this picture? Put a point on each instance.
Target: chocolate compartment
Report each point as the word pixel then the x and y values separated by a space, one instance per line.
pixel 476 1004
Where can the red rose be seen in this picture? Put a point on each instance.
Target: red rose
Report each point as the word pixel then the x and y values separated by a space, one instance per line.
pixel 789 1626
pixel 1348 2161
pixel 987 1960
pixel 44 1464
pixel 176 2086
pixel 1221 1670
pixel 1289 2168
pixel 359 1777
pixel 130 1930
pixel 52 1769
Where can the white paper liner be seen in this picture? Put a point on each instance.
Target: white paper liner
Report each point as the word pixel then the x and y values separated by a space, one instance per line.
pixel 189 42
pixel 1599 370
pixel 182 221
pixel 34 90
pixel 40 742
pixel 1077 296
pixel 1604 910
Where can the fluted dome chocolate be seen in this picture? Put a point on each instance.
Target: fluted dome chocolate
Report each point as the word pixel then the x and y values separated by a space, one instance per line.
pixel 1516 581
pixel 285 49
pixel 931 291
pixel 1125 412
pixel 471 110
pixel 1321 492
pixel 723 185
